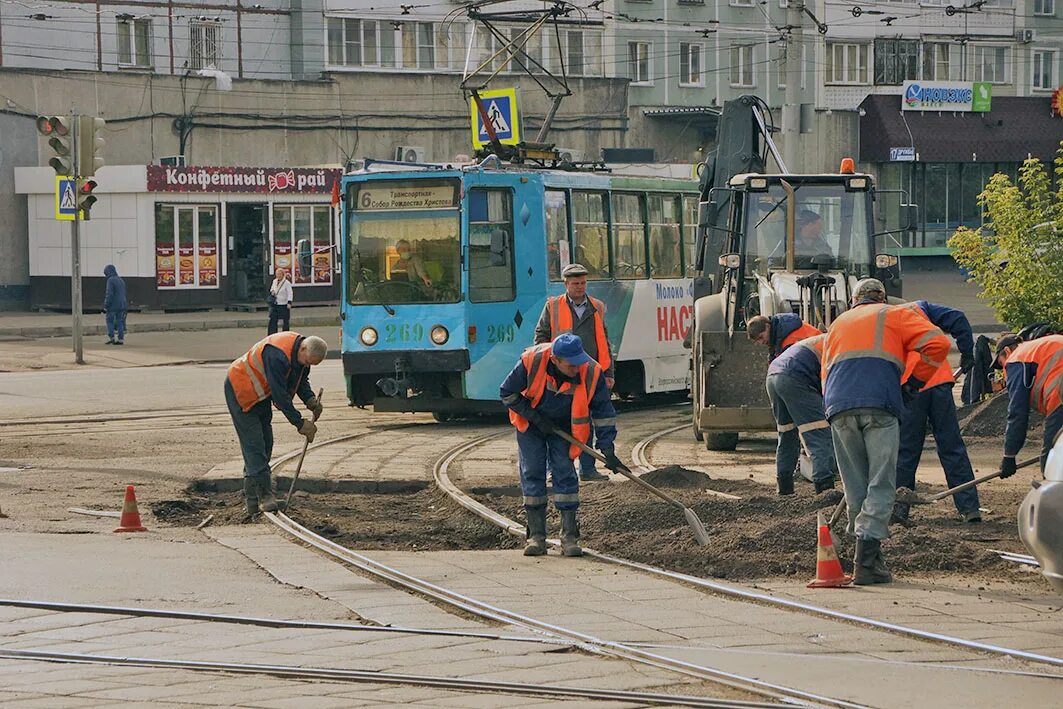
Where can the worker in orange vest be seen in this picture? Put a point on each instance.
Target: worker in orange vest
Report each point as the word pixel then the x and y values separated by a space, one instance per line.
pixel 1034 373
pixel 557 386
pixel 576 312
pixel 779 332
pixel 864 357
pixel 270 374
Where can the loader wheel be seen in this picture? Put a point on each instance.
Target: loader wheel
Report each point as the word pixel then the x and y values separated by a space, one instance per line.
pixel 721 440
pixel 698 435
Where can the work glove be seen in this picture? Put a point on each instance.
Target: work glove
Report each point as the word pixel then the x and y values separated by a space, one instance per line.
pixel 611 461
pixel 1007 467
pixel 545 425
pixel 315 407
pixel 966 363
pixel 910 389
pixel 308 429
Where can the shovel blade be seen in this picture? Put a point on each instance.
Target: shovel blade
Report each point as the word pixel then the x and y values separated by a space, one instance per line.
pixel 907 496
pixel 700 535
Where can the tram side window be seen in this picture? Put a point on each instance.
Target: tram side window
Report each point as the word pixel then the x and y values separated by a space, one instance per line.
pixel 690 232
pixel 491 277
pixel 665 259
pixel 558 254
pixel 629 236
pixel 592 235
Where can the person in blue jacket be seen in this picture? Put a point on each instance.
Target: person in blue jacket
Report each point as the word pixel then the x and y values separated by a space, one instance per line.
pixel 935 404
pixel 115 306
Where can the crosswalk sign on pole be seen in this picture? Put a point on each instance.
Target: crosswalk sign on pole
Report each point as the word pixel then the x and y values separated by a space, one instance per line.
pixel 502 111
pixel 66 202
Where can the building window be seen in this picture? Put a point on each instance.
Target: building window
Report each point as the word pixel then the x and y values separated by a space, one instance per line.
pixel 134 41
pixel 302 242
pixel 937 61
pixel 1044 62
pixel 583 53
pixel 741 3
pixel 390 44
pixel 742 65
pixel 639 62
pixel 846 63
pixel 690 65
pixel 204 44
pixel 896 61
pixel 1044 7
pixel 186 246
pixel 990 63
pixel 426 45
pixel 531 58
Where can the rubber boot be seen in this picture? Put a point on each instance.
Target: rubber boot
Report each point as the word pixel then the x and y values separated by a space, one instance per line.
pixel 785 483
pixel 266 500
pixel 251 496
pixel 900 515
pixel 536 545
pixel 824 485
pixel 570 534
pixel 868 565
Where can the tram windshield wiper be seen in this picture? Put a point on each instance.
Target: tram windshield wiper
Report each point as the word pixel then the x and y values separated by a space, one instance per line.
pixel 359 277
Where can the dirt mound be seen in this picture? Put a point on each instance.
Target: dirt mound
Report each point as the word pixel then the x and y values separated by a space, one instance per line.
pixel 182 513
pixel 989 418
pixel 676 476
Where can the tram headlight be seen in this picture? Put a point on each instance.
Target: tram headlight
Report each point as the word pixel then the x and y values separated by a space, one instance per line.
pixel 440 335
pixel 368 336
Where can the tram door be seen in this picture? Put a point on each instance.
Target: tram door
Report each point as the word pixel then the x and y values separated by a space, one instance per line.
pixel 492 268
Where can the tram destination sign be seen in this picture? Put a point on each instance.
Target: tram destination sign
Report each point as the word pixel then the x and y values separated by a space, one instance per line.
pixel 269 180
pixel 406 196
pixel 971 97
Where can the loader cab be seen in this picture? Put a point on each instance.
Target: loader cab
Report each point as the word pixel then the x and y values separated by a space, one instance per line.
pixel 806 237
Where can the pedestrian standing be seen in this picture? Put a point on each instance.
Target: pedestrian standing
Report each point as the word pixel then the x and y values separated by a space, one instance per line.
pixel 557 386
pixel 795 393
pixel 936 405
pixel 864 357
pixel 584 316
pixel 280 301
pixel 779 332
pixel 270 374
pixel 115 306
pixel 1034 373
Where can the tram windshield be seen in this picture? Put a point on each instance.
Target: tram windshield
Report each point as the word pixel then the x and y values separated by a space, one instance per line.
pixel 830 228
pixel 403 242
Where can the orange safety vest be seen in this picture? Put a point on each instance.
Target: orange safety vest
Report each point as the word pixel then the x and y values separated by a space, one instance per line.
pixel 535 360
pixel 801 333
pixel 943 374
pixel 888 332
pixel 248 374
pixel 561 322
pixel 1047 354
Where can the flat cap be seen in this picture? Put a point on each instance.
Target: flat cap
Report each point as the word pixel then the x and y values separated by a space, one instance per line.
pixel 573 269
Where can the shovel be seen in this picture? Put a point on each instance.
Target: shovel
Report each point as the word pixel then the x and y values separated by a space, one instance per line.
pixel 299 466
pixel 700 535
pixel 911 497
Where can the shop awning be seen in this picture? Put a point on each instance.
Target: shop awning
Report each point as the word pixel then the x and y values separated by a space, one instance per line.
pixel 706 116
pixel 1016 128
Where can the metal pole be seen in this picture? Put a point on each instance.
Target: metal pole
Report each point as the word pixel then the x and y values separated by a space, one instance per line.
pixel 791 110
pixel 75 246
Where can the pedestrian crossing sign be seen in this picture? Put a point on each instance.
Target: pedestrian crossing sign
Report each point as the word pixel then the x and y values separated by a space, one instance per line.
pixel 502 111
pixel 66 202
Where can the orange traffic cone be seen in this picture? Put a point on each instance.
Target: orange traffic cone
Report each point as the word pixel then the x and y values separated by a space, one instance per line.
pixel 130 521
pixel 828 568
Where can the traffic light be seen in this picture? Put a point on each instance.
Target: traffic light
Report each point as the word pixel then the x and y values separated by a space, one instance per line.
pixel 85 198
pixel 90 144
pixel 59 131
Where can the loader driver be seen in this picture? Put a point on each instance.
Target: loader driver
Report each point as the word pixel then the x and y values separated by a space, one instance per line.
pixel 808 241
pixel 557 386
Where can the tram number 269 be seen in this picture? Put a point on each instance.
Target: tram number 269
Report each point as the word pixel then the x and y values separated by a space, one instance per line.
pixel 498 334
pixel 403 333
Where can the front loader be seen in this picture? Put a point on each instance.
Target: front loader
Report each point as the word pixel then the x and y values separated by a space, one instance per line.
pixel 768 243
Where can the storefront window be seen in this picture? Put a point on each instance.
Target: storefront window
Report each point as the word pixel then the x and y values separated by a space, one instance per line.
pixel 186 246
pixel 302 242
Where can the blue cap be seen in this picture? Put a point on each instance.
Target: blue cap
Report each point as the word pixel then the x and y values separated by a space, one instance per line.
pixel 569 347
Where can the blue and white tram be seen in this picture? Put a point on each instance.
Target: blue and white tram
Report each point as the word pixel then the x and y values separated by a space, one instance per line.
pixel 446 271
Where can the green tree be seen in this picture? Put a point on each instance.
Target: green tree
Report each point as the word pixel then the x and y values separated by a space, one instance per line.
pixel 1016 257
